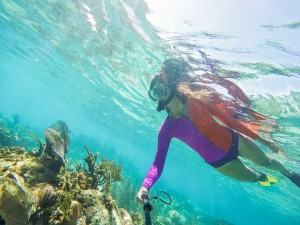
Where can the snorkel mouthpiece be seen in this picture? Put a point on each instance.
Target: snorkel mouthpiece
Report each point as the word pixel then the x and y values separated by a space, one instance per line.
pixel 162 104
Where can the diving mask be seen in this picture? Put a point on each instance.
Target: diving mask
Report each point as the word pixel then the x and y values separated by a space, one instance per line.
pixel 158 92
pixel 162 94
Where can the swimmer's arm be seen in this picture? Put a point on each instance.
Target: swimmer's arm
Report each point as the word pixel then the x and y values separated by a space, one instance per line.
pixel 156 169
pixel 227 120
pixel 270 144
pixel 241 128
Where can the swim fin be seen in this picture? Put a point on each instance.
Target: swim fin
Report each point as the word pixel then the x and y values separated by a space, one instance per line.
pixel 266 180
pixel 295 178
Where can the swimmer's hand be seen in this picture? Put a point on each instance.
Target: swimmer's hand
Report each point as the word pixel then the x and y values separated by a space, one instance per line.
pixel 143 191
pixel 275 148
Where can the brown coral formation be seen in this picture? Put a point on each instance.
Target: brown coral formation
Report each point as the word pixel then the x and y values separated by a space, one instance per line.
pixel 16 200
pixel 39 189
pixel 125 217
pixel 57 141
pixel 103 174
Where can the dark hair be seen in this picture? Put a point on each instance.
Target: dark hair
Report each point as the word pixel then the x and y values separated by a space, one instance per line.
pixel 175 70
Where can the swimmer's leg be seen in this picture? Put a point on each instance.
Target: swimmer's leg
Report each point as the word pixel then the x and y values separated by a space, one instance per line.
pixel 295 178
pixel 239 171
pixel 250 150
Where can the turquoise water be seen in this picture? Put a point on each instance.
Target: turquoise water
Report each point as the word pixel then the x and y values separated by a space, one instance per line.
pixel 90 63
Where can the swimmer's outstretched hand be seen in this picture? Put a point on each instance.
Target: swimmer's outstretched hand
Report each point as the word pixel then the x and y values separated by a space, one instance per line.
pixel 138 197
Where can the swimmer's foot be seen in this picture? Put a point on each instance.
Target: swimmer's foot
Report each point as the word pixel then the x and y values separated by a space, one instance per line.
pixel 266 180
pixel 295 178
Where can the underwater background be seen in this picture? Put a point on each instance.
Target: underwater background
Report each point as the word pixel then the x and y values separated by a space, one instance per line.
pixel 90 63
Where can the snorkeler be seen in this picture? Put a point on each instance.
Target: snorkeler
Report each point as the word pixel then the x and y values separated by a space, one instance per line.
pixel 211 125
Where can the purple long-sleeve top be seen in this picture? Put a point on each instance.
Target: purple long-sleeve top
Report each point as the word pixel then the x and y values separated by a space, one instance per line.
pixel 182 129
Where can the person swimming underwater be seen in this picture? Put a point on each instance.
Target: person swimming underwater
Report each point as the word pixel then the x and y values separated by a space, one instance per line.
pixel 210 125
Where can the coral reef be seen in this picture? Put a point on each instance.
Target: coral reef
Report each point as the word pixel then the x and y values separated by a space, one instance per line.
pixel 38 187
pixel 42 194
pixel 57 141
pixel 125 217
pixel 41 146
pixel 124 193
pixel 33 169
pixel 103 174
pixel 16 200
pixel 12 134
pixel 6 133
